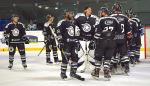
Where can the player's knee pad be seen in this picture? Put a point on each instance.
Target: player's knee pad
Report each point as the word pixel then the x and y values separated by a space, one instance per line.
pixel 67 54
pixel 137 52
pixel 124 59
pixel 23 58
pixel 55 48
pixel 98 64
pixel 131 53
pixel 106 63
pixel 114 60
pixel 55 55
pixel 11 58
pixel 11 50
pixel 74 65
pixel 22 51
pixel 64 60
pixel 48 54
pixel 64 66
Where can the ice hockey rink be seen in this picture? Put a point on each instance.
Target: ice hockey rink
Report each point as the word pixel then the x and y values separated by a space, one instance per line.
pixel 40 74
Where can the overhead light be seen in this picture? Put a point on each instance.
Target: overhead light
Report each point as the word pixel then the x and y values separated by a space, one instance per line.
pixel 46 7
pixel 74 4
pixel 56 8
pixel 40 6
pixel 14 5
pixel 36 4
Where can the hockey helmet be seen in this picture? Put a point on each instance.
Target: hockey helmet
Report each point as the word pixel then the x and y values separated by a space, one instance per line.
pixel 116 7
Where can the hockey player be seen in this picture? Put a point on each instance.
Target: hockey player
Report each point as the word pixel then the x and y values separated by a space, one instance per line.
pixel 121 39
pixel 105 42
pixel 14 33
pixel 140 33
pixel 86 23
pixel 132 42
pixel 69 33
pixel 50 40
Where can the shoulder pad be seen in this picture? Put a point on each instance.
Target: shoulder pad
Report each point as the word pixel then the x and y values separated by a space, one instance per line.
pixel 110 18
pixel 8 25
pixel 21 24
pixel 118 14
pixel 60 22
pixel 138 20
pixel 131 20
pixel 78 15
pixel 46 24
pixel 94 16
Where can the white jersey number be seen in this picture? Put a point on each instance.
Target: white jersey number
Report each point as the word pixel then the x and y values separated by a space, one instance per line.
pixel 108 29
pixel 122 27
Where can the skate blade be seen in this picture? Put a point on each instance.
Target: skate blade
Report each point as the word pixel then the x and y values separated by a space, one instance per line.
pixel 57 63
pixel 102 79
pixel 106 79
pixel 126 74
pixel 25 68
pixel 82 71
pixel 96 78
pixel 118 74
pixel 72 78
pixel 10 68
pixel 133 65
pixel 65 79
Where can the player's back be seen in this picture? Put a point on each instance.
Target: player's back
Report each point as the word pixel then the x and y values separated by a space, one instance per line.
pixel 107 27
pixel 123 21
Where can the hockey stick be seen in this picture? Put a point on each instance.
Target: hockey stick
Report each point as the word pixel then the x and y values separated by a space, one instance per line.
pixel 46 43
pixel 55 37
pixel 41 50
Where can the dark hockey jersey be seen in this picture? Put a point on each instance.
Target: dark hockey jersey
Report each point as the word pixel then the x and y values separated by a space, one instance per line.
pixel 14 32
pixel 124 24
pixel 140 27
pixel 107 28
pixel 134 30
pixel 47 31
pixel 134 27
pixel 86 25
pixel 68 30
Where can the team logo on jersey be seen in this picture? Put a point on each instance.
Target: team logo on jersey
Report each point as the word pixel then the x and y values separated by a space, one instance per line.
pixel 15 32
pixel 120 19
pixel 70 31
pixel 11 49
pixel 108 22
pixel 86 27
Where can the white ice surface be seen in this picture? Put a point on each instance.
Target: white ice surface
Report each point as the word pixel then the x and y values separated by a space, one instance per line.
pixel 40 74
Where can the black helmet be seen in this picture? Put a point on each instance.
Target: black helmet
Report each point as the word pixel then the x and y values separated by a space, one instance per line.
pixel 116 7
pixel 129 13
pixel 104 9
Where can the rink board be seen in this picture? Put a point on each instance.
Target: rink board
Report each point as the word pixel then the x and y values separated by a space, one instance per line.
pixel 39 45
